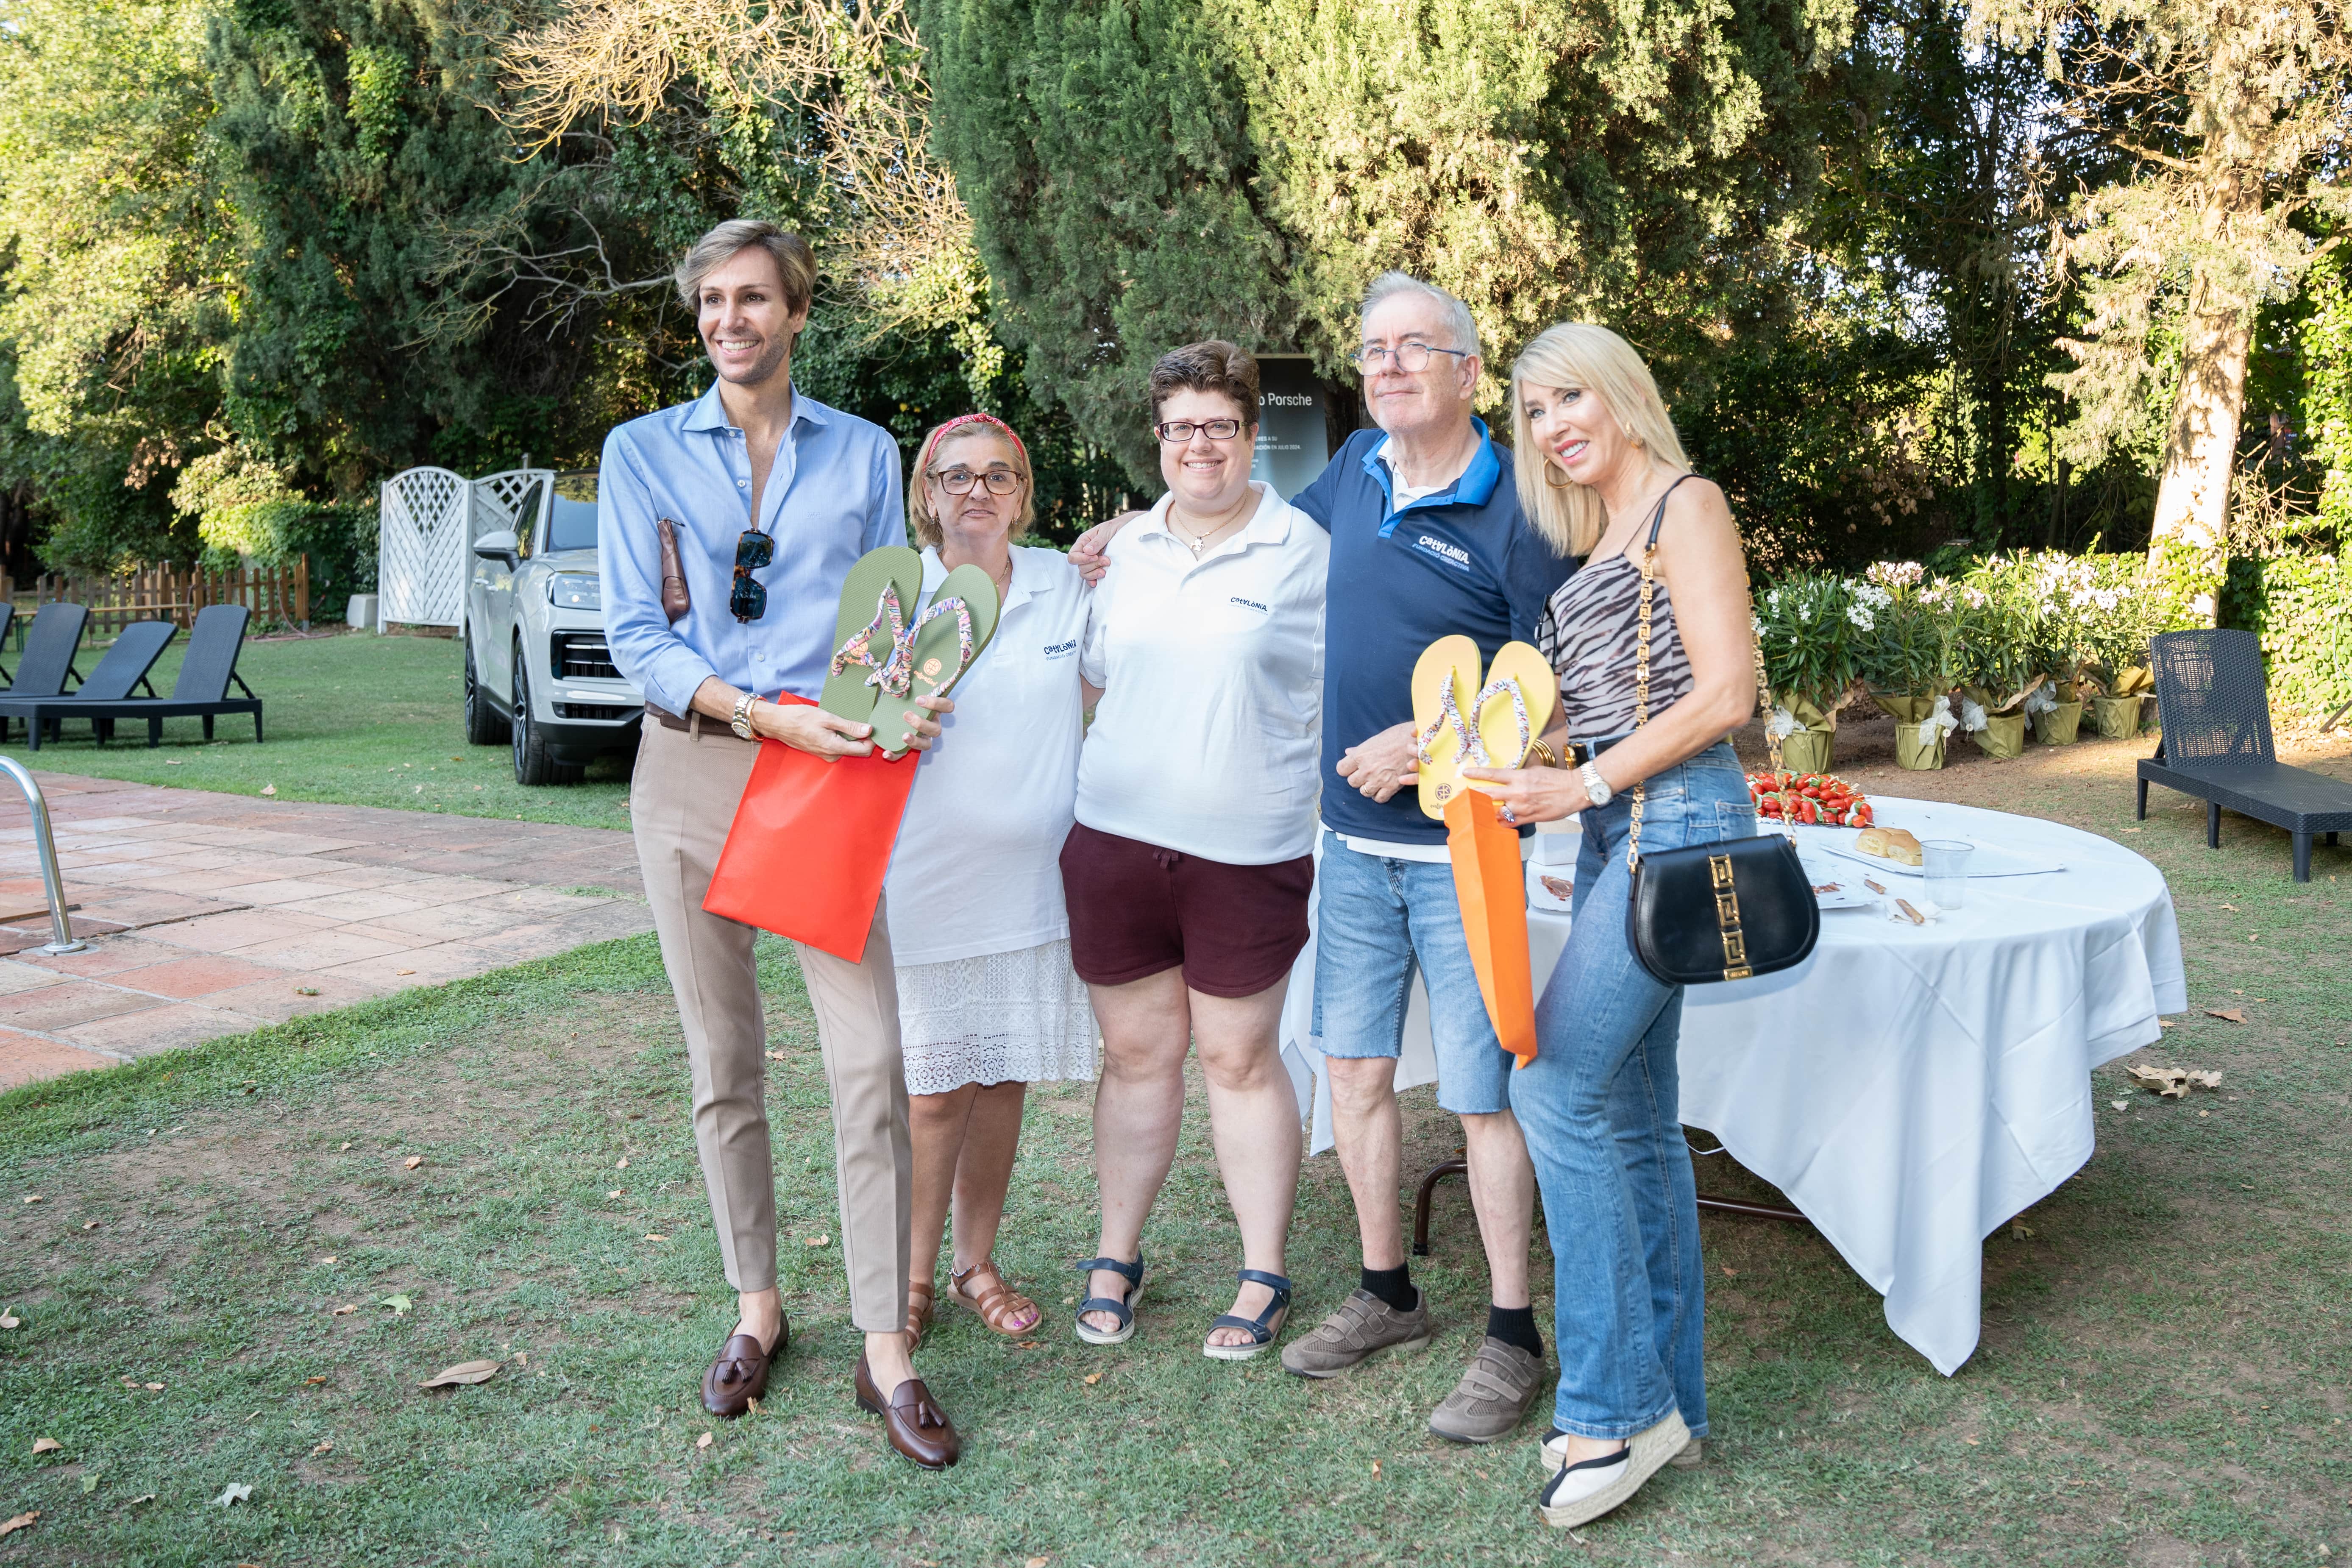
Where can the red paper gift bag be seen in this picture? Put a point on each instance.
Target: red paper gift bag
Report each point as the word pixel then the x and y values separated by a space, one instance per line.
pixel 811 841
pixel 1490 880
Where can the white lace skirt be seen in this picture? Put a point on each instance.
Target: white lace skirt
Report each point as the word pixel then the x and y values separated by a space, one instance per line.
pixel 1003 1017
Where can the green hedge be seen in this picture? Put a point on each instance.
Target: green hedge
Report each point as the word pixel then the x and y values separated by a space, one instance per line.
pixel 2301 608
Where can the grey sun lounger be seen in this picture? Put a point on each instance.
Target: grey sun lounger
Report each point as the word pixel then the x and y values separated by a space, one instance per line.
pixel 122 670
pixel 200 692
pixel 2214 706
pixel 49 657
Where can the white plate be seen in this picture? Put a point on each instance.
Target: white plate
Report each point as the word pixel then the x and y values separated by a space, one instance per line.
pixel 1990 859
pixel 1835 885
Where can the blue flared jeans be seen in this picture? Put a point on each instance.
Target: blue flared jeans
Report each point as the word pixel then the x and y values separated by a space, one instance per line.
pixel 1600 1108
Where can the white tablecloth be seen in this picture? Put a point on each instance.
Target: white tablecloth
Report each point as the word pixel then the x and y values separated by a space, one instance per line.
pixel 1910 1089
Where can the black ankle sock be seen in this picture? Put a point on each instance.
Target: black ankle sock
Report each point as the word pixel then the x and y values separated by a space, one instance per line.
pixel 1515 1326
pixel 1393 1286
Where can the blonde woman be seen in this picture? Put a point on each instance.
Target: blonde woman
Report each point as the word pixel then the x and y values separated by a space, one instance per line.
pixel 987 1001
pixel 1602 474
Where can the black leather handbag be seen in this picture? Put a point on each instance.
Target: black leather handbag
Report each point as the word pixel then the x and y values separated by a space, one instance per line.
pixel 1725 910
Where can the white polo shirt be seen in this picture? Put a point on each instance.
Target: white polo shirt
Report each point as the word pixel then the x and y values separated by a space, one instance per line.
pixel 977 869
pixel 1208 737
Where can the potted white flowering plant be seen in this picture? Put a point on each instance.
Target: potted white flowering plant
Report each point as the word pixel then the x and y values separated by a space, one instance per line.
pixel 1996 666
pixel 2122 615
pixel 2056 599
pixel 1806 632
pixel 1906 659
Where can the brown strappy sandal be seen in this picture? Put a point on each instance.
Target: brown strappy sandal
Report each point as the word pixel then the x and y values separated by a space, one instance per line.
pixel 999 1305
pixel 921 1296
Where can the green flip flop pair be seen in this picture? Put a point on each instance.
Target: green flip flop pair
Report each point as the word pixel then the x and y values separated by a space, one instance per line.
pixel 885 654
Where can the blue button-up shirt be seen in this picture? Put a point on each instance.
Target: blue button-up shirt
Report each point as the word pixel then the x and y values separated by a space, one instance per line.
pixel 832 494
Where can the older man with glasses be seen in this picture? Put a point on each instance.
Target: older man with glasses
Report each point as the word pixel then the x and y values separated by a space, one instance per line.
pixel 729 526
pixel 1427 540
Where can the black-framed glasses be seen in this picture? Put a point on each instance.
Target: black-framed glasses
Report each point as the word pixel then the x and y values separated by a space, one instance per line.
pixel 959 481
pixel 1176 432
pixel 748 599
pixel 1410 356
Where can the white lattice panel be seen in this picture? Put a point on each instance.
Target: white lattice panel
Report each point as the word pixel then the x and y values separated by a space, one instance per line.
pixel 498 499
pixel 421 547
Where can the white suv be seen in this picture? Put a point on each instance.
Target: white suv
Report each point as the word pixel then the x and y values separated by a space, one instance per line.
pixel 537 668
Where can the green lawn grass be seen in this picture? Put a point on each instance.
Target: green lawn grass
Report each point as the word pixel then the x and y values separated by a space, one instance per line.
pixel 2163 1380
pixel 355 719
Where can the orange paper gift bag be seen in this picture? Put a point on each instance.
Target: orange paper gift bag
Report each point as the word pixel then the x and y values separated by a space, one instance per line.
pixel 811 841
pixel 1491 884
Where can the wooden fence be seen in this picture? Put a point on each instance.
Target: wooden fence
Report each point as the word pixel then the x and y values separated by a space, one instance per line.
pixel 277 596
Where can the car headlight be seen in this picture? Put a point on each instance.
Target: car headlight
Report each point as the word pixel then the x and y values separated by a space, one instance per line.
pixel 575 591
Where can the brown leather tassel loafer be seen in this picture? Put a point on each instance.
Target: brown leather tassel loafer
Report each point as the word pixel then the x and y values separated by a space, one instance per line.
pixel 740 1375
pixel 918 1428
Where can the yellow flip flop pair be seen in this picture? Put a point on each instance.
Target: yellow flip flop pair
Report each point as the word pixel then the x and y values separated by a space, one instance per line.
pixel 1460 723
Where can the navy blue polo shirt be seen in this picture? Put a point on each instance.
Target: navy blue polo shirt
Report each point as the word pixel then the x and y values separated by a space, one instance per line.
pixel 1464 561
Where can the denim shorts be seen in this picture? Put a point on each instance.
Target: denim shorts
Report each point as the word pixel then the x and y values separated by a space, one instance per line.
pixel 1376 921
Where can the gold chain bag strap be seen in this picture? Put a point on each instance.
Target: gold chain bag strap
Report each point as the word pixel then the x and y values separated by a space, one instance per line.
pixel 1724 911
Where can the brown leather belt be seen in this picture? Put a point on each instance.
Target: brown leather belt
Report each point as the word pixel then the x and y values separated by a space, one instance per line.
pixel 694 724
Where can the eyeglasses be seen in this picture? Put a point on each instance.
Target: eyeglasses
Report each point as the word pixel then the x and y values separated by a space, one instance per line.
pixel 748 599
pixel 959 481
pixel 1408 357
pixel 1176 432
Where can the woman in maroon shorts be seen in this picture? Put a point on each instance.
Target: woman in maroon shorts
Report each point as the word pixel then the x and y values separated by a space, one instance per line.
pixel 1189 869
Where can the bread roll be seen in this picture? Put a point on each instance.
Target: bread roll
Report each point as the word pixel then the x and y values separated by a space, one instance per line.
pixel 1896 844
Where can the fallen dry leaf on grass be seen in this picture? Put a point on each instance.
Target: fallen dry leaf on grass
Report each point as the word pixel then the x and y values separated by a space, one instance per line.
pixel 143 1497
pixel 345 1309
pixel 622 1164
pixel 818 1240
pixel 411 1162
pixel 235 1492
pixel 32 1197
pixel 1093 1378
pixel 269 789
pixel 463 1373
pixel 312 1382
pixel 89 1225
pixel 652 1237
pixel 2174 1083
pixel 1037 1563
pixel 2233 1014
pixel 399 1305
pixel 152 1388
pixel 704 1441
pixel 613 1193
pixel 46 1445
pixel 10 1320
pixel 322 1448
pixel 21 1521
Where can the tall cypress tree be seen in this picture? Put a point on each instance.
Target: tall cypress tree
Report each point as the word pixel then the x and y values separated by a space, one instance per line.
pixel 1145 171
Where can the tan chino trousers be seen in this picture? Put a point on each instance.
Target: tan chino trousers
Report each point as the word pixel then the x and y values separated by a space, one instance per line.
pixel 682 800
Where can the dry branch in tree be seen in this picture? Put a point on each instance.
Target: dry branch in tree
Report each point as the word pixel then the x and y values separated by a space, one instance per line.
pixel 902 235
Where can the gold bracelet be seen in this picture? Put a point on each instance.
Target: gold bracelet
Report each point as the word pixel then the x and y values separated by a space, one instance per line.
pixel 1545 752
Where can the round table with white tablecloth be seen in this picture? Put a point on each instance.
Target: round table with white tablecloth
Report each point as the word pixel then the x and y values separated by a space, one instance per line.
pixel 1909 1088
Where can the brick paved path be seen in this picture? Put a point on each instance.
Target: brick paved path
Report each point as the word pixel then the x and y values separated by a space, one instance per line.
pixel 212 915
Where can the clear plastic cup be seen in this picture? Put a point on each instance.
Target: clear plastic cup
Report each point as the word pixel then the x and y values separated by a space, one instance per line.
pixel 1945 862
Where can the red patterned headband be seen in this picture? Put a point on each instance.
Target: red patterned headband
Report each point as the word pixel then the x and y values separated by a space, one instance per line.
pixel 942 433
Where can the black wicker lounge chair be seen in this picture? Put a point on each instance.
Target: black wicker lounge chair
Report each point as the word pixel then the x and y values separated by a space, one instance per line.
pixel 122 671
pixel 8 618
pixel 50 650
pixel 201 691
pixel 2215 711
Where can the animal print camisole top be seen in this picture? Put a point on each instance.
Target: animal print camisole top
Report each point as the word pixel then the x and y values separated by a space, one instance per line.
pixel 1588 632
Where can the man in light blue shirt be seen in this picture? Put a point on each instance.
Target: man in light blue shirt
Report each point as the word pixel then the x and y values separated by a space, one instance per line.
pixel 769 498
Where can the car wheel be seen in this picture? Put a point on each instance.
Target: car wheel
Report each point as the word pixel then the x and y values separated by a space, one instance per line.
pixel 483 727
pixel 532 764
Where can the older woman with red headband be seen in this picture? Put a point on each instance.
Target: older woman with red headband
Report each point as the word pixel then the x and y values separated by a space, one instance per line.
pixel 987 1001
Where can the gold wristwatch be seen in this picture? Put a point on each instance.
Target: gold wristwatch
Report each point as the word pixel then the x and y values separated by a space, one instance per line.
pixel 741 719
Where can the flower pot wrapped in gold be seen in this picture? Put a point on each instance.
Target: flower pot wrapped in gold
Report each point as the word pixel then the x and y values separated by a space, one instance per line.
pixel 2058 724
pixel 1812 747
pixel 1918 737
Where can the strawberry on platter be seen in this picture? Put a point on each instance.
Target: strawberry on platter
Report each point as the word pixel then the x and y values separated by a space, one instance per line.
pixel 1822 800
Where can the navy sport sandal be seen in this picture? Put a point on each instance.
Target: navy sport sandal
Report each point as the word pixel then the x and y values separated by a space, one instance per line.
pixel 1261 1329
pixel 1124 1311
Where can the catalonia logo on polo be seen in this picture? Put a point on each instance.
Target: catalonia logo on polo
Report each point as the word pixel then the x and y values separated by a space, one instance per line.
pixel 1452 554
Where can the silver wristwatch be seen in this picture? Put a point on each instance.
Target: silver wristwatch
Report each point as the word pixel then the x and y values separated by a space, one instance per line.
pixel 1596 788
pixel 741 719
